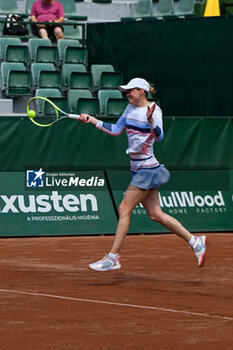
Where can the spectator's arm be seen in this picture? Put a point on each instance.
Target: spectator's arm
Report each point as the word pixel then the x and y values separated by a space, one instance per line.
pixel 33 19
pixel 59 20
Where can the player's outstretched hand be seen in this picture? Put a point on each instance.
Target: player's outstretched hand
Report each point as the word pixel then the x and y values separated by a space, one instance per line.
pixel 86 119
pixel 149 114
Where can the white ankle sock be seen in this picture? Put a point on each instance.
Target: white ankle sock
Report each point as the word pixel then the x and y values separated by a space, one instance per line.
pixel 192 241
pixel 113 256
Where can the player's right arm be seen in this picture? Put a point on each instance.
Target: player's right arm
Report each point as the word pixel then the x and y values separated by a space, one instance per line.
pixel 108 128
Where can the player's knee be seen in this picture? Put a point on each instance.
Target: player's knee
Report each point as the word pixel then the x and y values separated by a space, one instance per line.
pixel 123 210
pixel 156 216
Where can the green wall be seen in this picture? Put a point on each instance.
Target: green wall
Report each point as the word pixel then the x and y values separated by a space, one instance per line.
pixel 189 143
pixel 189 60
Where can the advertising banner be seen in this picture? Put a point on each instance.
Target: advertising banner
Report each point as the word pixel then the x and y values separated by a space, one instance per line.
pixel 200 200
pixel 37 202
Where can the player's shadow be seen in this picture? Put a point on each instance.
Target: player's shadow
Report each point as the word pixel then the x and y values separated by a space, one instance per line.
pixel 112 278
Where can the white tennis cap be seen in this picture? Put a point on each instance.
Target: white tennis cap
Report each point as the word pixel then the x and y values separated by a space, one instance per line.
pixel 136 83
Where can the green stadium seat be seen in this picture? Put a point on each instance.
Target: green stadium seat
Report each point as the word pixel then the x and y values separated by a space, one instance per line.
pixel 33 44
pixel 144 8
pixel 60 102
pixel 104 95
pixel 71 10
pixel 72 31
pixel 2 18
pixel 97 70
pixel 74 95
pixel 102 1
pixel 47 110
pixel 47 93
pixel 4 42
pixel 110 80
pixel 165 8
pixel 67 69
pixel 6 67
pixel 116 106
pixel 36 68
pixel 75 55
pixel 46 54
pixel 29 4
pixel 88 105
pixel 18 83
pixel 16 53
pixel 62 44
pixel 185 8
pixel 8 6
pixel 80 80
pixel 49 79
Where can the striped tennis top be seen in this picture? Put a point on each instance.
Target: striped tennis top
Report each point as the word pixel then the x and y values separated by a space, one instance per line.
pixel 141 134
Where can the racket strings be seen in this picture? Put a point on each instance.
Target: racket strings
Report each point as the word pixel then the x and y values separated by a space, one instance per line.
pixel 43 109
pixel 39 108
pixel 46 113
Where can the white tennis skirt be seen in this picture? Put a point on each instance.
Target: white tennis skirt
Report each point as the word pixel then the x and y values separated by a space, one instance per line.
pixel 147 178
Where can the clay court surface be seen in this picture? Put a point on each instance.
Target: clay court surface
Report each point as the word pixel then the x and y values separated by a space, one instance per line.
pixel 160 299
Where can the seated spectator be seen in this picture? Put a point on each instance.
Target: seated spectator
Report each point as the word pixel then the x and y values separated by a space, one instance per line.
pixel 48 11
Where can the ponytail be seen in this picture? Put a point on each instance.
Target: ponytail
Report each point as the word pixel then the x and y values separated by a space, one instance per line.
pixel 152 89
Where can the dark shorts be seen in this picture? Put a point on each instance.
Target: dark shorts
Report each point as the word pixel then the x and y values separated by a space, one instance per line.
pixel 150 178
pixel 49 27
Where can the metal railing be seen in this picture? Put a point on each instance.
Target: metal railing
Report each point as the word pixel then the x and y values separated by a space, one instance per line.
pixel 73 23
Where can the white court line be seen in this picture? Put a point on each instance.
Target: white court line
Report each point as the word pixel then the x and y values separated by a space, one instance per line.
pixel 116 304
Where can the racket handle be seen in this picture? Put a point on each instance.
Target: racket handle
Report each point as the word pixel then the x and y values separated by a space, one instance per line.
pixel 76 116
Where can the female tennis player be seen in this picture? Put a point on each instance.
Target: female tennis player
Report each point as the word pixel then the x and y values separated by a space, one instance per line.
pixel 143 123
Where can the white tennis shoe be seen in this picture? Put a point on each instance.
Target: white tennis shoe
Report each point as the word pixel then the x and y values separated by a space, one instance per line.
pixel 199 248
pixel 106 264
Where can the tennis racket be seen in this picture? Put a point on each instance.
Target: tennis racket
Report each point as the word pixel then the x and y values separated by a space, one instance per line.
pixel 40 109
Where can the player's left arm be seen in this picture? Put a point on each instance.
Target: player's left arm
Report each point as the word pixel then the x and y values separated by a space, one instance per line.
pixel 154 117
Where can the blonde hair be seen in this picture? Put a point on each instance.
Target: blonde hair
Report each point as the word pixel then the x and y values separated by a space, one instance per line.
pixel 152 89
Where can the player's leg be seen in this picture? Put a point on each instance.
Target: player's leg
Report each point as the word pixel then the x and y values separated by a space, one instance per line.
pixel 58 33
pixel 133 196
pixel 152 205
